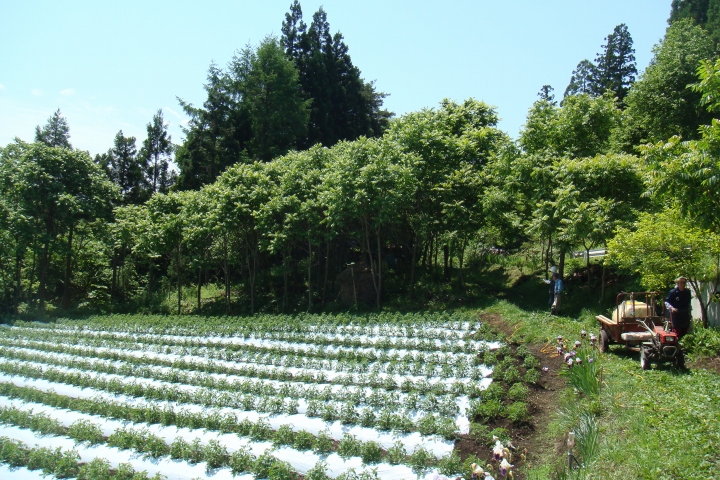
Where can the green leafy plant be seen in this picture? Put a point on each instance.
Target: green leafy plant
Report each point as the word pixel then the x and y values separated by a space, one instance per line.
pixel 371 452
pixel 349 446
pixel 517 412
pixel 518 392
pixel 324 443
pixel 85 431
pixel 240 461
pixel 396 454
pixel 421 460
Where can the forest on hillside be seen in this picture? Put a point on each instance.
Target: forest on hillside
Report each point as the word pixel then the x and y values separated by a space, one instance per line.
pixel 295 188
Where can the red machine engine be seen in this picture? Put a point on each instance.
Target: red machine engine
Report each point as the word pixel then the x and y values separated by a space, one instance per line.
pixel 666 338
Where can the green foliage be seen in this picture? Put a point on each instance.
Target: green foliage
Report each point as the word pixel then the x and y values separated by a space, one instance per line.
pixel 660 104
pixel 450 465
pixel 324 442
pixel 532 376
pixel 479 432
pixel 85 431
pixel 511 374
pixel 616 68
pixel 262 466
pixel 318 472
pixel 371 452
pixel 343 105
pixel 55 133
pixel 268 83
pixel 683 249
pixel 284 436
pixel 303 440
pixel 95 469
pixel 517 412
pixel 420 460
pixel 281 471
pixel 240 461
pixel 581 127
pixel 349 446
pixel 703 342
pixel 495 391
pixel 396 454
pixel 488 409
pixel 518 392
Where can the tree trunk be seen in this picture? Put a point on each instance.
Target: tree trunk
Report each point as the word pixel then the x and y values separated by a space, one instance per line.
pixel 18 281
pixel 252 272
pixel 380 270
pixel 286 297
pixel 413 266
pixel 703 305
pixel 68 266
pixel 5 289
pixel 309 271
pixel 366 227
pixel 352 272
pixel 327 270
pixel 199 293
pixel 44 261
pixel 226 273
pixel 561 264
pixel 602 287
pixel 446 263
pixel 113 282
pixel 461 259
pixel 179 282
pixel 150 285
pixel 548 257
pixel 425 254
pixel 587 264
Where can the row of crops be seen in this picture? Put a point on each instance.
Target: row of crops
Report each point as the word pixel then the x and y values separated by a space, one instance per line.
pixel 263 397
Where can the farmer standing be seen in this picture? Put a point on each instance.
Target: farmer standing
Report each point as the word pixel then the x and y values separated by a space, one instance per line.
pixel 678 303
pixel 551 285
pixel 558 288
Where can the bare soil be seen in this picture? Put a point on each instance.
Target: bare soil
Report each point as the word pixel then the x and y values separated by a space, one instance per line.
pixel 711 364
pixel 529 438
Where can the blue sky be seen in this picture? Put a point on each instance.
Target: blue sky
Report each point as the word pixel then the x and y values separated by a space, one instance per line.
pixel 110 65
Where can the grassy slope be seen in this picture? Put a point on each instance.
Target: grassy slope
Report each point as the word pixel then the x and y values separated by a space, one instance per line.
pixel 662 423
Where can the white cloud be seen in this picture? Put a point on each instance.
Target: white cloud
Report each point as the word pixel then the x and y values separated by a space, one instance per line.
pixel 173 112
pixel 36 92
pixel 68 92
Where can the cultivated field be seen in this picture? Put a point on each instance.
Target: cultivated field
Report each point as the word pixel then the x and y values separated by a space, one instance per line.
pixel 267 396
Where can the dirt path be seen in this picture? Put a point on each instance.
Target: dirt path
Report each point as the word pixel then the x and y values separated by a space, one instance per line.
pixel 530 438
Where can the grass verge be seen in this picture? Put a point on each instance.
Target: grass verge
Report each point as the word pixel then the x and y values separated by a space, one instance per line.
pixel 660 423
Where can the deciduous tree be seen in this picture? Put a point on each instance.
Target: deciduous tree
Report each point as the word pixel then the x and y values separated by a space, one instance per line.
pixel 660 104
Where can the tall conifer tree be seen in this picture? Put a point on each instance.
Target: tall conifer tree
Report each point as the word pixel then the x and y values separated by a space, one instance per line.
pixel 124 168
pixel 55 133
pixel 343 106
pixel 616 68
pixel 582 79
pixel 155 153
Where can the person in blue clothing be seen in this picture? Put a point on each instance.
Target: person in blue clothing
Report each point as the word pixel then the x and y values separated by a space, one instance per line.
pixel 558 289
pixel 678 304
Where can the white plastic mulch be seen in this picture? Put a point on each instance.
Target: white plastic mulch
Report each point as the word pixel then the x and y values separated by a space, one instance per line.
pixel 301 461
pixel 412 441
